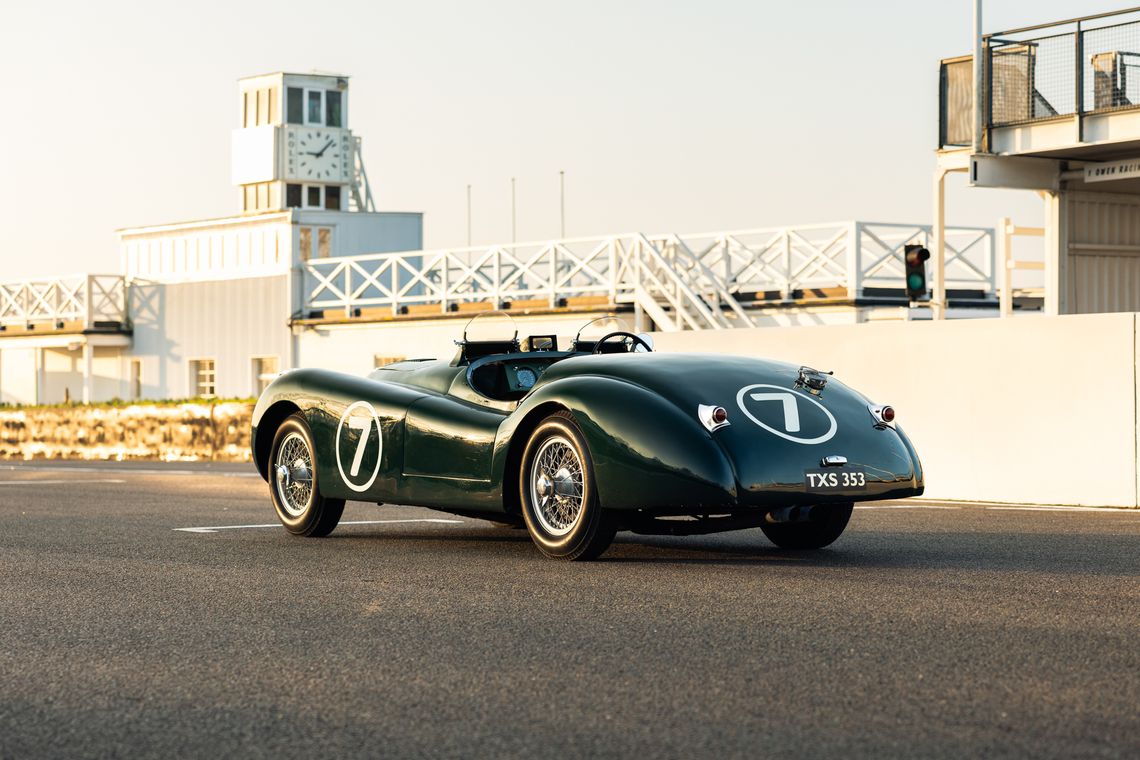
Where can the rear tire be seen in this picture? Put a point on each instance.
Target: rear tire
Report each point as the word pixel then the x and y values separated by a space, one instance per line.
pixel 559 494
pixel 812 534
pixel 293 485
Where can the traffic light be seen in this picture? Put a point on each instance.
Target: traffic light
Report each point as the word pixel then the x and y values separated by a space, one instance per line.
pixel 915 257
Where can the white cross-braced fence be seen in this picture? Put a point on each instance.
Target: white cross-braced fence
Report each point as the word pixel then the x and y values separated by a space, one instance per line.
pixel 685 281
pixel 85 298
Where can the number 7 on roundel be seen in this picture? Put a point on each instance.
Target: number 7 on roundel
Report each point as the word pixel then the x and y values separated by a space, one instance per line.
pixel 364 425
pixel 791 411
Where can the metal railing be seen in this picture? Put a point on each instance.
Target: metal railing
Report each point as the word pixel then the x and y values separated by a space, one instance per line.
pixel 684 282
pixel 88 299
pixel 1079 66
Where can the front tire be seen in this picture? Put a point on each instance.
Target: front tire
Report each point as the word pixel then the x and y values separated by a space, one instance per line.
pixel 293 485
pixel 814 533
pixel 559 494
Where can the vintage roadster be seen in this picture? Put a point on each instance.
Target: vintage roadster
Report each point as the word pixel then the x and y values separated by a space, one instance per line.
pixel 579 443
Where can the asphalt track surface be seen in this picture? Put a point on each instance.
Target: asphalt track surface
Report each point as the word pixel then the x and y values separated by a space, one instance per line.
pixel 957 631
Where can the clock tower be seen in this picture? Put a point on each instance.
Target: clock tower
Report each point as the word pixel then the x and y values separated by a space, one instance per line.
pixel 294 148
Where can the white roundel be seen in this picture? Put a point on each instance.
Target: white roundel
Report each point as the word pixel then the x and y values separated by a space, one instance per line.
pixel 789 403
pixel 364 420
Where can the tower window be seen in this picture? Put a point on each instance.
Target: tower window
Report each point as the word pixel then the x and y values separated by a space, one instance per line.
pixel 314 199
pixel 293 196
pixel 333 116
pixel 324 242
pixel 314 107
pixel 295 105
pixel 332 197
pixel 306 243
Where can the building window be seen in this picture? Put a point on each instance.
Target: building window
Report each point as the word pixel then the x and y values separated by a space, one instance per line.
pixel 136 379
pixel 264 371
pixel 295 105
pixel 379 361
pixel 202 378
pixel 324 242
pixel 313 199
pixel 333 117
pixel 306 243
pixel 314 106
pixel 332 197
pixel 293 196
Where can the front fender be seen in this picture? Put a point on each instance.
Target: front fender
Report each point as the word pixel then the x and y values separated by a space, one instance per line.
pixel 647 453
pixel 322 397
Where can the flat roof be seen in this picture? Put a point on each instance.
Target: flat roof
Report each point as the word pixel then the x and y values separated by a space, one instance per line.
pixel 296 74
pixel 238 219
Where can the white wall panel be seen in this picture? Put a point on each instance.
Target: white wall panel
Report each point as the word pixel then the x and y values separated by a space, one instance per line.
pixel 1104 252
pixel 17 375
pixel 229 321
pixel 351 348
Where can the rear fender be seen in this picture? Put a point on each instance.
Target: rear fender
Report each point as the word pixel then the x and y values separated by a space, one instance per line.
pixel 646 452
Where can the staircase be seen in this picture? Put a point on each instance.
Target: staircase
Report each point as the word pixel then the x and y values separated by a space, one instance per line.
pixel 677 290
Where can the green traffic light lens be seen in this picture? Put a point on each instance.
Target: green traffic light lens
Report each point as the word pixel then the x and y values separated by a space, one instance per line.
pixel 915 282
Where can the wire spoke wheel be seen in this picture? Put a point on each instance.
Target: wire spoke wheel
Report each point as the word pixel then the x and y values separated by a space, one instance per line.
pixel 293 472
pixel 295 483
pixel 556 486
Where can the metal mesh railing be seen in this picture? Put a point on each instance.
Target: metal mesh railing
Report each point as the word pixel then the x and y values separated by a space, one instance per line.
pixel 1080 66
pixel 1111 72
pixel 1043 72
pixel 1032 79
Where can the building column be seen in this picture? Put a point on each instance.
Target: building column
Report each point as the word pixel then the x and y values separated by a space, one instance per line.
pixel 1056 253
pixel 88 352
pixel 41 376
pixel 938 232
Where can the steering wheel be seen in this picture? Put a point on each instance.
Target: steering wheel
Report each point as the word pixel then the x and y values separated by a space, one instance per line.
pixel 637 341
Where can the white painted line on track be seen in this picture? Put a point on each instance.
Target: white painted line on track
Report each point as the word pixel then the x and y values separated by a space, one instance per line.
pixel 58 482
pixel 216 528
pixel 1001 507
pixel 1118 510
pixel 902 506
pixel 133 471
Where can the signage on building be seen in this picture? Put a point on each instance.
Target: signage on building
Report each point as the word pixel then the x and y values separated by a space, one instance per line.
pixel 1127 169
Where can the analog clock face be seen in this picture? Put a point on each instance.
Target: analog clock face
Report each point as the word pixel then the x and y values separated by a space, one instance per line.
pixel 318 155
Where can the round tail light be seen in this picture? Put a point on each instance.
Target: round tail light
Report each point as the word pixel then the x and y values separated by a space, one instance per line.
pixel 719 415
pixel 888 414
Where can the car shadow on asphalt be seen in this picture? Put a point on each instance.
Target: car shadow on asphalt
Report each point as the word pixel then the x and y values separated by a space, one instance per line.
pixel 1092 553
pixel 1065 553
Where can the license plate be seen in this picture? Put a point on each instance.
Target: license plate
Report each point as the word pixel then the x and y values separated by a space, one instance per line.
pixel 835 480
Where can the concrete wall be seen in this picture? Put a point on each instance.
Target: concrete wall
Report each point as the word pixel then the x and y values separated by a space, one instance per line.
pixel 230 321
pixel 351 348
pixel 1037 409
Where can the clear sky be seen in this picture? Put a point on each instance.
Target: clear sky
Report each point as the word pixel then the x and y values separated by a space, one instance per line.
pixel 666 116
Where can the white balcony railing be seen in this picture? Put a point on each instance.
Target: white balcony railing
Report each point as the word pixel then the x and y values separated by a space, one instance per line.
pixel 694 281
pixel 88 299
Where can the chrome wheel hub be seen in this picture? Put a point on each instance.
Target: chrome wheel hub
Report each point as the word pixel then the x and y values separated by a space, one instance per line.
pixel 294 475
pixel 556 486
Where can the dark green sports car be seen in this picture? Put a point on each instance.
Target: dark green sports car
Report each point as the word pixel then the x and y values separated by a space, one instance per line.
pixel 579 443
